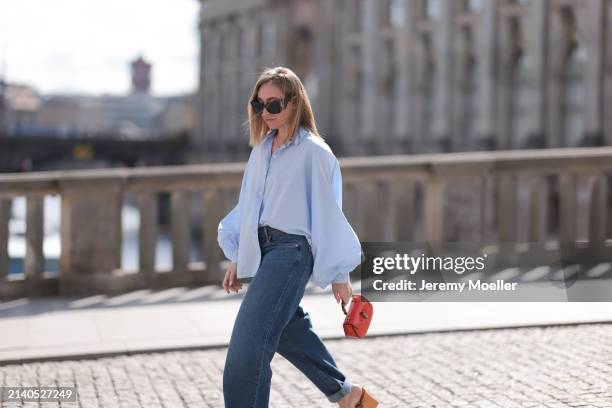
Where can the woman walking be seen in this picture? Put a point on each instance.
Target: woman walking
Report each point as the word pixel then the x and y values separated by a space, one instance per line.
pixel 287 228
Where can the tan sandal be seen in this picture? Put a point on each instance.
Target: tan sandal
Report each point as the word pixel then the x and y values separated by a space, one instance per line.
pixel 366 400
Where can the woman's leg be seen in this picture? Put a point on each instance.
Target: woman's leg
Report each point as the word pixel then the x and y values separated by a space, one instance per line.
pixel 303 347
pixel 268 305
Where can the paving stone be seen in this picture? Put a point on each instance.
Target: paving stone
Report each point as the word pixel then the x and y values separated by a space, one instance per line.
pixel 559 366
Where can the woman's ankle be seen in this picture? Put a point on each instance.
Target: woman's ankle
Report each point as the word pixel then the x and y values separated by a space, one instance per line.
pixel 351 398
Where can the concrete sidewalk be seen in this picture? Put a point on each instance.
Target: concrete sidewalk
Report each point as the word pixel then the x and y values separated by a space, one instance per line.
pixel 194 318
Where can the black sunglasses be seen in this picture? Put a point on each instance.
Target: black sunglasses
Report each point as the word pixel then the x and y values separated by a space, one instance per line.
pixel 273 106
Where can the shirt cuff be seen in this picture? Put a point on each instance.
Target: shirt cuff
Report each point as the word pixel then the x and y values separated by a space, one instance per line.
pixel 231 255
pixel 342 277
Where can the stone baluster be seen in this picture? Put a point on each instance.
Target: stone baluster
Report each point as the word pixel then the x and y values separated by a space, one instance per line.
pixel 506 207
pixel 212 253
pixel 147 241
pixel 567 207
pixel 598 209
pixel 370 194
pixel 350 206
pixel 487 231
pixel 463 204
pixel 5 215
pixel 34 259
pixel 434 209
pixel 538 216
pixel 180 231
pixel 388 209
pixel 583 204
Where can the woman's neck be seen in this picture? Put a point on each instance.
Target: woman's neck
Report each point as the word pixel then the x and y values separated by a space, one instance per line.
pixel 283 133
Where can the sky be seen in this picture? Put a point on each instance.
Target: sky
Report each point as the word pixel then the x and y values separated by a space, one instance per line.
pixel 86 46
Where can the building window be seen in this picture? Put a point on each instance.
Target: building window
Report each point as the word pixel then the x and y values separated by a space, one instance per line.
pixel 396 12
pixel 473 6
pixel 432 9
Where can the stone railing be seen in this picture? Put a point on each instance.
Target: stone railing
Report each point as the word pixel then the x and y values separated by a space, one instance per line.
pixel 512 196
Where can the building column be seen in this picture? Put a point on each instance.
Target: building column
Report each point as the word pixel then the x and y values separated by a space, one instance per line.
pixel 325 105
pixel 486 48
pixel 444 86
pixel 231 113
pixel 503 88
pixel 197 140
pixel 249 69
pixel 607 109
pixel 225 98
pixel 349 83
pixel 210 92
pixel 371 59
pixel 556 63
pixel 535 47
pixel 269 38
pixel 421 95
pixel 338 77
pixel 591 25
pixel 404 129
pixel 281 16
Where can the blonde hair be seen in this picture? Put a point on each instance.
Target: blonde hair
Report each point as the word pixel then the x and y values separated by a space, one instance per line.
pixel 291 86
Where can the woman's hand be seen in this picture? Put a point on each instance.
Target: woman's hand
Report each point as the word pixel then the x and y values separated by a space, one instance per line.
pixel 342 291
pixel 230 282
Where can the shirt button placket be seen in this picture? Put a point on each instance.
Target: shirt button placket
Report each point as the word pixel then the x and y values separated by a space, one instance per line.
pixel 260 192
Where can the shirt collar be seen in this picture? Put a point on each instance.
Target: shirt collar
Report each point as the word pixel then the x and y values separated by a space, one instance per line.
pixel 301 133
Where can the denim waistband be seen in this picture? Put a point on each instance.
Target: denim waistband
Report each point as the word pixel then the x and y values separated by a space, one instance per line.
pixel 269 233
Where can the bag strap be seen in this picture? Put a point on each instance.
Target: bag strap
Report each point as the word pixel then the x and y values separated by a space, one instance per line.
pixel 343 307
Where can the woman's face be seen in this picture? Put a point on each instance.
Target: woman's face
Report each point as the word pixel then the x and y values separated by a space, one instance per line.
pixel 267 92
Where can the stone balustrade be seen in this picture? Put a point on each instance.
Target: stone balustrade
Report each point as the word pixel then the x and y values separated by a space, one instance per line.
pixel 511 196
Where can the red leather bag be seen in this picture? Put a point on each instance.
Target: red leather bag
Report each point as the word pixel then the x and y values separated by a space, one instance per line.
pixel 358 318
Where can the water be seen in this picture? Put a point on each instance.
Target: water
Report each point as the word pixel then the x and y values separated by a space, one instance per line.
pixel 130 220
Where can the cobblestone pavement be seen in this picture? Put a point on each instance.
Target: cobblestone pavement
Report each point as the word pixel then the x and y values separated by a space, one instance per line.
pixel 560 366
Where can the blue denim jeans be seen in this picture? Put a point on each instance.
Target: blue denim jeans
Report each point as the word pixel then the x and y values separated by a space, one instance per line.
pixel 270 320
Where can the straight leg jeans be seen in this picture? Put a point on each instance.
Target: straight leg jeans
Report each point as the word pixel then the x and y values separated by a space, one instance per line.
pixel 271 320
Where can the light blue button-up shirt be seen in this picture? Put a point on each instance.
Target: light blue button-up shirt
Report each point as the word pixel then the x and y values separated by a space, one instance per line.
pixel 298 190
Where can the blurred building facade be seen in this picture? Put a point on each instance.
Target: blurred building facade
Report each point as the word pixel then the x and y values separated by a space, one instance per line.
pixel 19 104
pixel 414 76
pixel 138 114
